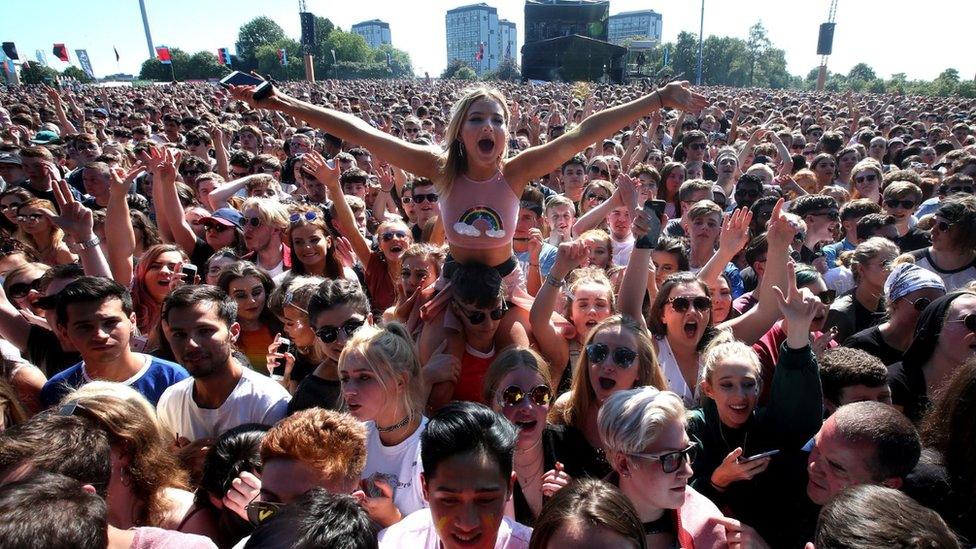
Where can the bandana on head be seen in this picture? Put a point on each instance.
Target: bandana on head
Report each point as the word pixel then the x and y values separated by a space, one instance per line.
pixel 909 277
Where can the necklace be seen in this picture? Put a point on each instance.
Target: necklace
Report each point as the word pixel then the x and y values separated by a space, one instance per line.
pixel 396 426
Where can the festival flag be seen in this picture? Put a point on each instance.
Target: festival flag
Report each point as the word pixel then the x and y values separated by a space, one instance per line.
pixel 85 62
pixel 116 54
pixel 223 56
pixel 41 57
pixel 481 52
pixel 283 57
pixel 10 49
pixel 61 52
pixel 162 53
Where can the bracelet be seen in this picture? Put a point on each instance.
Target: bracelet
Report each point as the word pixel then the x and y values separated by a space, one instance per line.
pixel 554 282
pixel 89 244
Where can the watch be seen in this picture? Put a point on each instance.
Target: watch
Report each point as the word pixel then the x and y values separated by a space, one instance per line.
pixel 554 282
pixel 89 244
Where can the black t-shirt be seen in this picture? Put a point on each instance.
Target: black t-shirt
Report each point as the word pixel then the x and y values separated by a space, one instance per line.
pixel 871 341
pixel 913 240
pixel 316 392
pixel 908 389
pixel 559 443
pixel 849 316
pixel 201 253
pixel 44 351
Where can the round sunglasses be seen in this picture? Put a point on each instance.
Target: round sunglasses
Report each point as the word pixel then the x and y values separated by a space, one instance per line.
pixel 329 334
pixel 477 317
pixel 622 357
pixel 540 395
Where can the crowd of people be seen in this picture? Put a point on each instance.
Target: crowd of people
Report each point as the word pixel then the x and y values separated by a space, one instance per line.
pixel 420 314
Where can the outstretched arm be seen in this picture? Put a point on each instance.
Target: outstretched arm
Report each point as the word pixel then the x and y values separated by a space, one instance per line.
pixel 416 159
pixel 552 344
pixel 315 164
pixel 538 161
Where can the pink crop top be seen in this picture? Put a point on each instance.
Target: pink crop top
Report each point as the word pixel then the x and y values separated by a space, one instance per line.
pixel 480 214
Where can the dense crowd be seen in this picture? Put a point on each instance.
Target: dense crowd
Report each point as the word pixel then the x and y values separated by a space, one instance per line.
pixel 415 314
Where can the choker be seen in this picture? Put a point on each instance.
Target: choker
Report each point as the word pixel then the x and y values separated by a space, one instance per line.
pixel 396 426
pixel 665 524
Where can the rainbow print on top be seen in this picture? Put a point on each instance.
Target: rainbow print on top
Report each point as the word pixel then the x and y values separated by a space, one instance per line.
pixel 480 220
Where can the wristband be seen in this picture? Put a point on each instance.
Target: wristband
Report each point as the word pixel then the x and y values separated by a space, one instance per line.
pixel 89 244
pixel 554 282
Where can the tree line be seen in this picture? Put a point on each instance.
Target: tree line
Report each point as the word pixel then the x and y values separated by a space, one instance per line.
pixel 259 42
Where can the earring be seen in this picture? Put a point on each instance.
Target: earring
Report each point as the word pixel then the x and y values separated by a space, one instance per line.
pixel 461 149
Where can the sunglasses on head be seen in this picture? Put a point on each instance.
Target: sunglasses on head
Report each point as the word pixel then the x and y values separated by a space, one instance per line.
pixel 681 304
pixel 623 357
pixel 259 512
pixel 477 317
pixel 388 236
pixel 672 461
pixel 866 178
pixel 307 216
pixel 894 203
pixel 827 297
pixel 329 334
pixel 969 321
pixel 418 198
pixel 539 395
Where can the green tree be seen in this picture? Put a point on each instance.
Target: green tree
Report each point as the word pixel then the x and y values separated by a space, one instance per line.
pixel 153 69
pixel 321 56
pixel 862 71
pixel 465 73
pixel 257 32
pixel 757 44
pixel 453 67
pixel 399 60
pixel 203 65
pixel 77 74
pixel 684 54
pixel 36 73
pixel 507 70
pixel 348 46
pixel 269 63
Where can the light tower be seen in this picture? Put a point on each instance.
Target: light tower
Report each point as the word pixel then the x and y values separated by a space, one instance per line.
pixel 145 25
pixel 825 43
pixel 308 39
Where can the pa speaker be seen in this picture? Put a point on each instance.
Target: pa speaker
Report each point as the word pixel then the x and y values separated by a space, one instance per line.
pixel 308 28
pixel 825 43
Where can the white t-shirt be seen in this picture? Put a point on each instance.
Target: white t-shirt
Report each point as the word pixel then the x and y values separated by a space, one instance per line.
pixel 256 399
pixel 622 250
pixel 417 531
pixel 400 465
pixel 953 280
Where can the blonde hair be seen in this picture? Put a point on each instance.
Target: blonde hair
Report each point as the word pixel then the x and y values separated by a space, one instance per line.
pixel 389 352
pixel 508 361
pixel 583 396
pixel 453 161
pixel 726 348
pixel 131 423
pixel 629 421
pixel 589 275
pixel 865 252
pixel 272 213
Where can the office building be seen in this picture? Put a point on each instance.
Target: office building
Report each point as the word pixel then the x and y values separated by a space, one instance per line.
pixel 473 36
pixel 375 32
pixel 634 25
pixel 507 36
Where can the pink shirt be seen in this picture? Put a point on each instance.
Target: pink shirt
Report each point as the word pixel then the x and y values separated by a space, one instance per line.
pixel 480 214
pixel 417 532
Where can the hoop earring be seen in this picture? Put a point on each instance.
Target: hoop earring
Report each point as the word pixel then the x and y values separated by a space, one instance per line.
pixel 461 149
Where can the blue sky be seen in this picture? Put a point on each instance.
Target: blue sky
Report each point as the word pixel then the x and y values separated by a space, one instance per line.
pixel 867 29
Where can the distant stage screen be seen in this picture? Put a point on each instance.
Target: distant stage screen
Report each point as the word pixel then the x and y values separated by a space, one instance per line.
pixel 564 18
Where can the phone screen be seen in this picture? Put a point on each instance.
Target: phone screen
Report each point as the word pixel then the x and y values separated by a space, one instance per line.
pixel 654 210
pixel 238 78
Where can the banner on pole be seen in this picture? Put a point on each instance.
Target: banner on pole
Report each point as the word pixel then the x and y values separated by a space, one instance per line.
pixel 61 52
pixel 85 62
pixel 223 56
pixel 162 53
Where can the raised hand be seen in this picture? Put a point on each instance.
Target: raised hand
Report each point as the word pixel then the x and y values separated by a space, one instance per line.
pixel 442 366
pixel 75 219
pixel 569 256
pixel 243 490
pixel 627 191
pixel 735 231
pixel 799 307
pixel 780 232
pixel 314 164
pixel 678 95
pixel 122 180
pixel 343 250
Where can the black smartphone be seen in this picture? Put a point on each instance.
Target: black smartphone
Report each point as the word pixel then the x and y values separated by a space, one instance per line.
pixel 655 211
pixel 238 78
pixel 190 270
pixel 770 453
pixel 278 369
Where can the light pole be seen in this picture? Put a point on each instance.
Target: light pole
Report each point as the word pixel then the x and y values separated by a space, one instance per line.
pixel 701 38
pixel 145 25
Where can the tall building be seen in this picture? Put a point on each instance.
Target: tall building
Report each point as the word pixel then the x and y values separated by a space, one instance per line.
pixel 375 32
pixel 473 32
pixel 507 40
pixel 641 24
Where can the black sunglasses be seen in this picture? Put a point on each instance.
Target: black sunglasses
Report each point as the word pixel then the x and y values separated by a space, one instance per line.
pixel 894 203
pixel 477 317
pixel 622 357
pixel 215 227
pixel 259 512
pixel 540 395
pixel 252 221
pixel 866 178
pixel 969 321
pixel 388 236
pixel 681 304
pixel 418 198
pixel 328 334
pixel 21 289
pixel 921 303
pixel 672 461
pixel 595 196
pixel 827 297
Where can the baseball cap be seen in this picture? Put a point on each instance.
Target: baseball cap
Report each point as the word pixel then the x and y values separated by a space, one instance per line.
pixel 228 217
pixel 46 137
pixel 10 158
